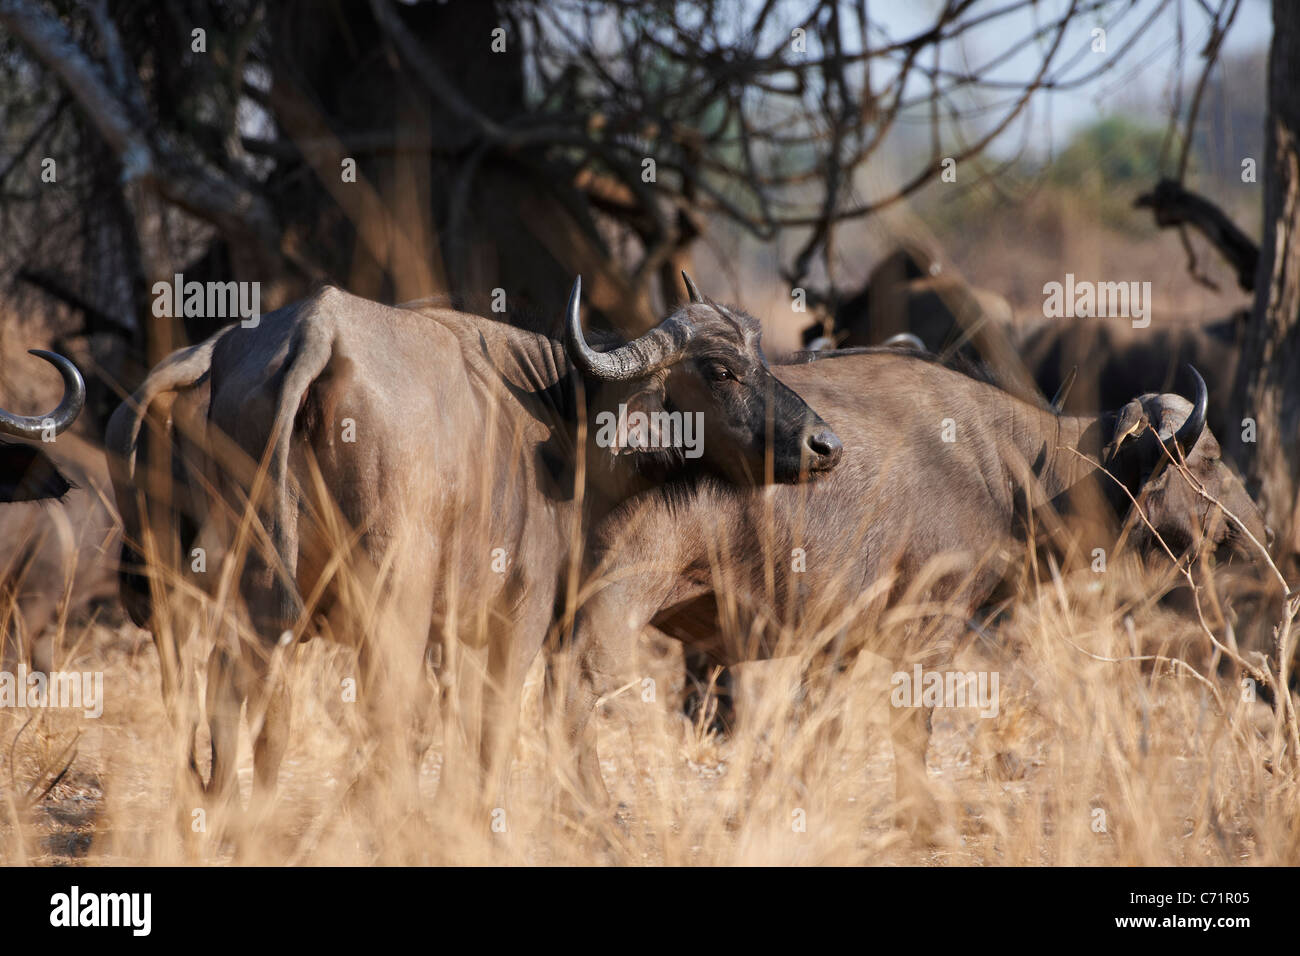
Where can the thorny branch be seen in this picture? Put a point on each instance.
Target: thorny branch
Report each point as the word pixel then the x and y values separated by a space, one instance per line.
pixel 1274 679
pixel 762 114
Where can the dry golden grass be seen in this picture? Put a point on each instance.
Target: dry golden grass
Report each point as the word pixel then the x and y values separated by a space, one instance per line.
pixel 1093 758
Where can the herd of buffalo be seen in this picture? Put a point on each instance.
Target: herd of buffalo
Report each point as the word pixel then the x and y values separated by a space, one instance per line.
pixel 454 464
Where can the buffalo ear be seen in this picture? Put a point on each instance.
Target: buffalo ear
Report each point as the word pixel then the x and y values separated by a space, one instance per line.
pixel 1130 421
pixel 28 474
pixel 647 398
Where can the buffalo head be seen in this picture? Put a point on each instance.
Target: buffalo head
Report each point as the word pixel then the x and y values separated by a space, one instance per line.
pixel 1155 430
pixel 26 472
pixel 705 363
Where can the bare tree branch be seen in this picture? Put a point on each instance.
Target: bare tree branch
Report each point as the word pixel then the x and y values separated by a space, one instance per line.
pixel 1173 205
pixel 240 214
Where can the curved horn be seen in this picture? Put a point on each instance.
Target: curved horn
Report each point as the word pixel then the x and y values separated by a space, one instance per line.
pixel 1191 429
pixel 74 397
pixel 904 340
pixel 691 290
pixel 1058 400
pixel 644 355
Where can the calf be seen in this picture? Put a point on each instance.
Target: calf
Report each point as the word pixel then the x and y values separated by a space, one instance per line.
pixel 942 479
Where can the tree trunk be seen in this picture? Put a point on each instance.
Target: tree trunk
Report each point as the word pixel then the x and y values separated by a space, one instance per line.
pixel 441 215
pixel 1268 379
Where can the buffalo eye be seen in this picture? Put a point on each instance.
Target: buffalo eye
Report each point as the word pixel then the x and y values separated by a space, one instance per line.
pixel 720 373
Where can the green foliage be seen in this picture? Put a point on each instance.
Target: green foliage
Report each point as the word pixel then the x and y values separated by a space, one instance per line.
pixel 1116 153
pixel 1103 168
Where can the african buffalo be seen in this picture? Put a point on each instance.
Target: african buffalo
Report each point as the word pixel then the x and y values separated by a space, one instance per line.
pixel 908 299
pixel 703 681
pixel 26 472
pixel 1084 364
pixel 942 478
pixel 1114 359
pixel 460 459
pixel 53 558
pixel 38 563
pixel 909 293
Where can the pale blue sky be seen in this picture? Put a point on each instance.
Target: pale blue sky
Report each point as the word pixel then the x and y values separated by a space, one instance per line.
pixel 1143 81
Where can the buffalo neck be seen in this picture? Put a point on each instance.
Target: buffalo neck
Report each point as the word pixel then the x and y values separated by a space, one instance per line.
pixel 1060 450
pixel 543 382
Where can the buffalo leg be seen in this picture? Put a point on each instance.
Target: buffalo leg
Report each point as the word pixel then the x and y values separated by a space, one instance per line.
pixel 395 688
pixel 392 679
pixel 635 580
pixel 176 694
pixel 272 737
pixel 225 697
pixel 600 663
pixel 819 710
pixel 509 657
pixel 606 629
pixel 232 680
pixel 500 724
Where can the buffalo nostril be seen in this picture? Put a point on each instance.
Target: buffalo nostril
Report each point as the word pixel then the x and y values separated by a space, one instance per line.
pixel 1268 536
pixel 825 446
